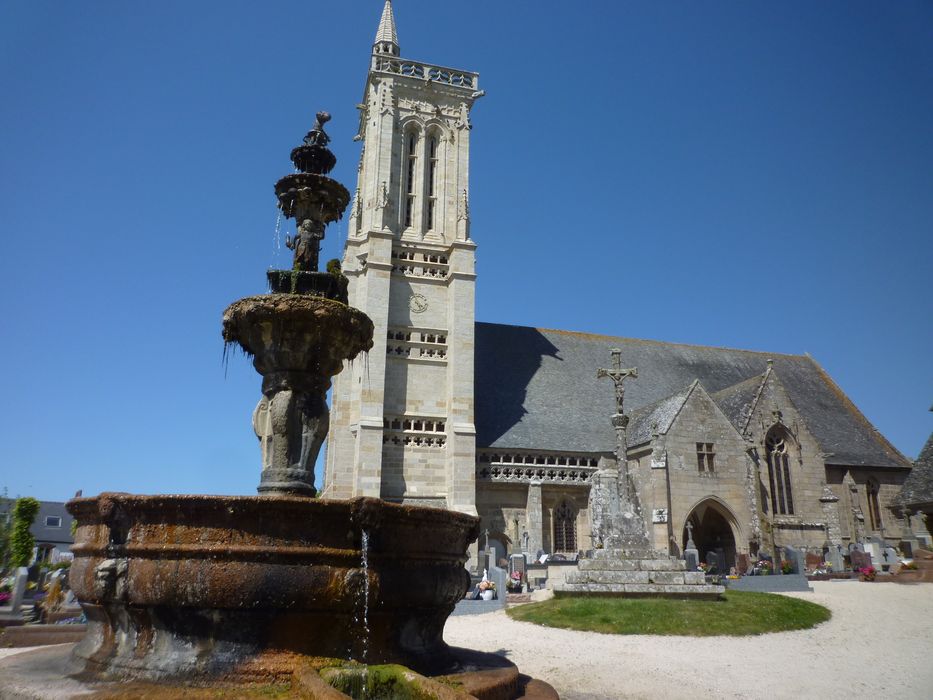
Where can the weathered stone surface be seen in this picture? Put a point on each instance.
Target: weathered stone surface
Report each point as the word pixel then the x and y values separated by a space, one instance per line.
pixel 667 577
pixel 619 577
pixel 670 564
pixel 608 565
pixel 694 577
pixel 298 342
pixel 163 578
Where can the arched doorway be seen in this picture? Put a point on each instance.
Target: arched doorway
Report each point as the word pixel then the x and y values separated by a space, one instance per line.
pixel 713 533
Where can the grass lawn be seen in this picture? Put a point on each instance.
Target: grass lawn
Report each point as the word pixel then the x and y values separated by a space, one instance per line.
pixel 740 613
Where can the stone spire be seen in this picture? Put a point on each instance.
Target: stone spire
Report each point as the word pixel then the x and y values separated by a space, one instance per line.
pixel 386 36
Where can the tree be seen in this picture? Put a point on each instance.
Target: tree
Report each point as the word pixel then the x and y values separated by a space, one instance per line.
pixel 6 519
pixel 22 541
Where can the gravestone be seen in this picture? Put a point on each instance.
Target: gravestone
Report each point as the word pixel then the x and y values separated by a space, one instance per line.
pixel 908 546
pixel 918 525
pixel 498 576
pixel 833 556
pixel 691 559
pixel 741 564
pixel 712 561
pixel 873 550
pixel 691 553
pixel 482 560
pixel 860 560
pixel 890 557
pixel 19 589
pixel 517 563
pixel 796 559
pixel 814 561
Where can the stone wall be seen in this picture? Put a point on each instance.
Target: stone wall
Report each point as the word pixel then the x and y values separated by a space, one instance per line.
pixel 671 478
pixel 402 423
pixel 805 527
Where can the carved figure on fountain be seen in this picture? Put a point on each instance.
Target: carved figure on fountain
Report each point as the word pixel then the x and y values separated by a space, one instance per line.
pixel 307 245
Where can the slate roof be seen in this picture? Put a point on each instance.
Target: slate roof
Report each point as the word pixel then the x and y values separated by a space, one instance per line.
pixel 918 488
pixel 658 416
pixel 537 389
pixel 736 401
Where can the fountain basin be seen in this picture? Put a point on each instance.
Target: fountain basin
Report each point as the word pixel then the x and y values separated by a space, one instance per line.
pixel 311 196
pixel 206 586
pixel 297 333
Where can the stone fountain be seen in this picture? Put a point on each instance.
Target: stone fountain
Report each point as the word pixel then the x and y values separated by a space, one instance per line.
pixel 279 588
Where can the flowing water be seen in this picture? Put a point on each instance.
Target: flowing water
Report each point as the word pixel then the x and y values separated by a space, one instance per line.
pixel 365 557
pixel 277 243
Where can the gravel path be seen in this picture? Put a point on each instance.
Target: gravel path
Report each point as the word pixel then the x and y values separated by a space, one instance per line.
pixel 879 643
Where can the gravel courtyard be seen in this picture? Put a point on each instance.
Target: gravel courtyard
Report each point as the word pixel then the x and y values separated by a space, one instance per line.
pixel 879 643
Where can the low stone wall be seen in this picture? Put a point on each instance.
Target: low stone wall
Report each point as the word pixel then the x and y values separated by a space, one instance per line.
pixel 769 584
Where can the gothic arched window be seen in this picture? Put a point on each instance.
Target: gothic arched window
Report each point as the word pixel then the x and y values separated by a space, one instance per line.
pixel 411 159
pixel 431 182
pixel 782 497
pixel 565 528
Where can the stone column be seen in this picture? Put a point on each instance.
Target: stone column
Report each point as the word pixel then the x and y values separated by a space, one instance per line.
pixel 604 504
pixel 829 502
pixel 535 518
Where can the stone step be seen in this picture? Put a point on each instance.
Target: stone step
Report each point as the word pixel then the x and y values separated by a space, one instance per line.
pixel 663 577
pixel 643 589
pixel 627 554
pixel 668 564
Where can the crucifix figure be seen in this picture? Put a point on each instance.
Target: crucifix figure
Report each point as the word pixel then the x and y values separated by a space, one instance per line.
pixel 486 535
pixel 619 420
pixel 617 375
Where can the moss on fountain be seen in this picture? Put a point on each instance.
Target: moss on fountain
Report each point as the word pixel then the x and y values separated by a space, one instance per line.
pixel 303 332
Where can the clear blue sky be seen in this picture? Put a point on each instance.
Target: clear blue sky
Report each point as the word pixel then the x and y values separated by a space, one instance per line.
pixel 745 174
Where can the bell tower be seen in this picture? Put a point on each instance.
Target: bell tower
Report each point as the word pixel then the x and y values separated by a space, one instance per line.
pixel 402 424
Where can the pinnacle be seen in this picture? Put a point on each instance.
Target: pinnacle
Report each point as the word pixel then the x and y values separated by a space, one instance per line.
pixel 386 33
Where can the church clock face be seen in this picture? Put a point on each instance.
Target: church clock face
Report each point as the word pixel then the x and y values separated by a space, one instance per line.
pixel 418 303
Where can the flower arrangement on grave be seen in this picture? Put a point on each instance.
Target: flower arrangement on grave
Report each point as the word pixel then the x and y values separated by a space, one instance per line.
pixel 787 567
pixel 514 582
pixel 5 597
pixel 764 567
pixel 703 566
pixel 909 566
pixel 867 573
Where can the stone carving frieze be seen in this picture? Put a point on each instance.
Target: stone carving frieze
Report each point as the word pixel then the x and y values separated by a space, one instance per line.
pixel 527 468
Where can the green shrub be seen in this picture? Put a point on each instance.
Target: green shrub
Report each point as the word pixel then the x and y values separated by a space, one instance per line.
pixel 22 541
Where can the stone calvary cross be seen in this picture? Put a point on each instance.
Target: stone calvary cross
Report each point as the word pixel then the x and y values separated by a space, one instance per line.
pixel 615 516
pixel 618 376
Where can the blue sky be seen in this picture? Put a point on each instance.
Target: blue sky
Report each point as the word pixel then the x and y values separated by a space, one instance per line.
pixel 742 174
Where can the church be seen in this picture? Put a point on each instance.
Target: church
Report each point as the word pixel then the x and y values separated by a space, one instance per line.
pixel 754 450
